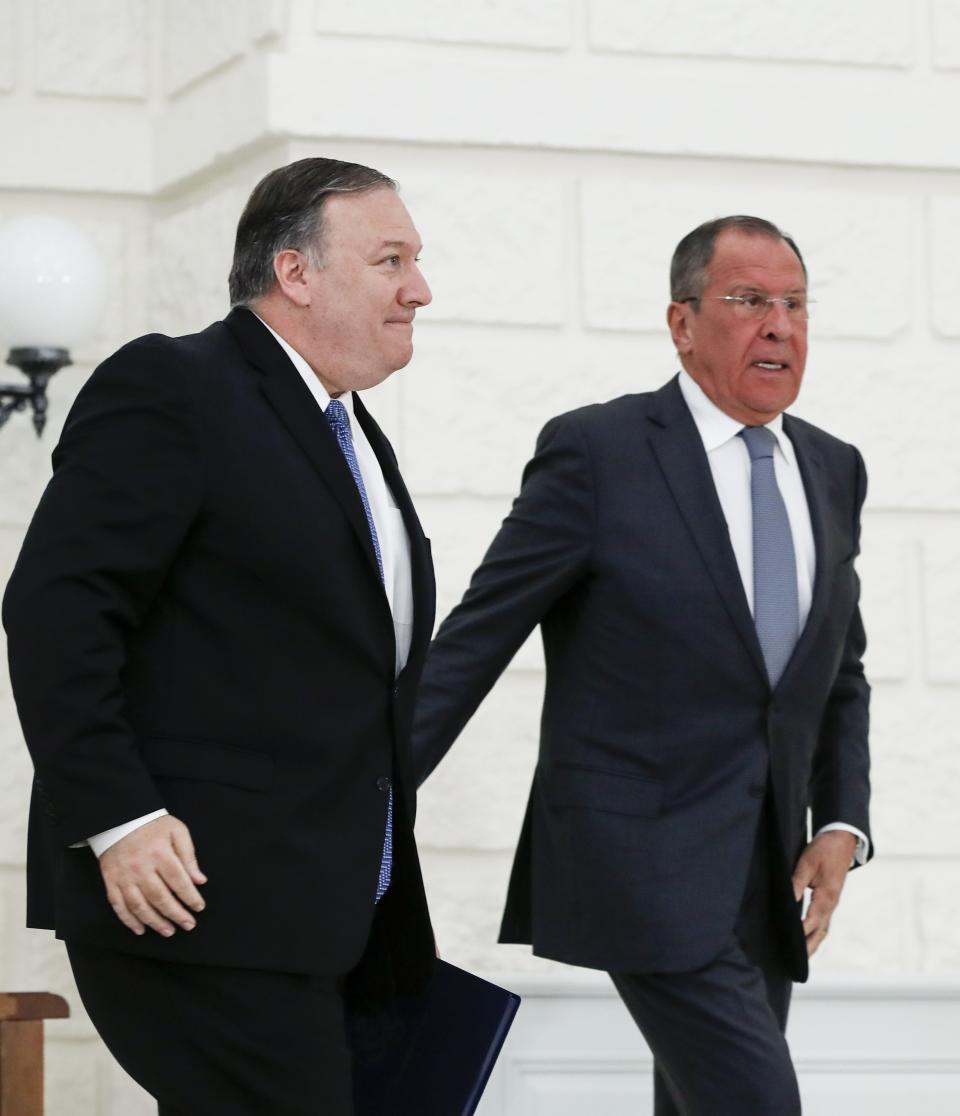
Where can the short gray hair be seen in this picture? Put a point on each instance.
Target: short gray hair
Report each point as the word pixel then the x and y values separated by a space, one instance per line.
pixel 688 268
pixel 284 211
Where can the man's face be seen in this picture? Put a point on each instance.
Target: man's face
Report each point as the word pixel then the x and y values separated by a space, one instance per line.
pixel 359 319
pixel 750 368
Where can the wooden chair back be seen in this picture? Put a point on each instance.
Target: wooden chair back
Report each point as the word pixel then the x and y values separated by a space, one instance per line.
pixel 21 1049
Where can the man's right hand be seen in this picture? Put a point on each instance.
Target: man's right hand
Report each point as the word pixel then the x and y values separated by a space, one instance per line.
pixel 150 874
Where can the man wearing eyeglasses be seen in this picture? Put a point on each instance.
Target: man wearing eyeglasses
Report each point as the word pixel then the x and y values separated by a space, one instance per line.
pixel 689 555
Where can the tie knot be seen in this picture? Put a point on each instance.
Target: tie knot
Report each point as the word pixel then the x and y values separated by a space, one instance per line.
pixel 336 415
pixel 760 441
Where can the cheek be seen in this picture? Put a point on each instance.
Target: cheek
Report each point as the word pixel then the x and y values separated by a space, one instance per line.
pixel 800 348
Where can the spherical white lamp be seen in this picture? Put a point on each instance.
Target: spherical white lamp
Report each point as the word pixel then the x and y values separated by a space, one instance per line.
pixel 51 296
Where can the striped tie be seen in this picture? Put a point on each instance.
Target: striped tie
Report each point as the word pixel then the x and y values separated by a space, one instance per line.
pixel 340 425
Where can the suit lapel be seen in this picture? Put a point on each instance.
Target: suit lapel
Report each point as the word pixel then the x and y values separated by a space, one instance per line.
pixel 816 487
pixel 420 562
pixel 298 411
pixel 678 448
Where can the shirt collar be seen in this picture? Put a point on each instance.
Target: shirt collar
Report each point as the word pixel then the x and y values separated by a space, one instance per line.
pixel 716 428
pixel 310 378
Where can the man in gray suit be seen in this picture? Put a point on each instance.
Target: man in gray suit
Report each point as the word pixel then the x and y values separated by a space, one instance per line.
pixel 689 556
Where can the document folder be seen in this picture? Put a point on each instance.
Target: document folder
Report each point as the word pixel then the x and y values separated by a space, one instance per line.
pixel 431 1055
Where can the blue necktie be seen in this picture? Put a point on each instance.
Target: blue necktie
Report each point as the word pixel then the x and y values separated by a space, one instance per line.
pixel 776 610
pixel 340 425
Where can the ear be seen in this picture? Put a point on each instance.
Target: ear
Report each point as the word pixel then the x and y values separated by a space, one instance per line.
pixel 678 319
pixel 290 268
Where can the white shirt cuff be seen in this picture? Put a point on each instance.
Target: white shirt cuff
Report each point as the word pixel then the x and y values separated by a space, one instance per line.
pixel 862 851
pixel 100 842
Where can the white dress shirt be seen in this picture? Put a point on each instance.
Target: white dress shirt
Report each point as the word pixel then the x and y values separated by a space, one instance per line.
pixel 387 518
pixel 730 467
pixel 394 553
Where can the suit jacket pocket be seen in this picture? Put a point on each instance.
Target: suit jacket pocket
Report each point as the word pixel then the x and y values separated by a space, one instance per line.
pixel 575 787
pixel 213 763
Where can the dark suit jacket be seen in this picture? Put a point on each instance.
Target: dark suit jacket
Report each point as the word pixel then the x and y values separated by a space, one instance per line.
pixel 197 621
pixel 659 727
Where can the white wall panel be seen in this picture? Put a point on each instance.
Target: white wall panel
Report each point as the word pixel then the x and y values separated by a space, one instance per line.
pixel 631 228
pixel 941 588
pixel 888 572
pixel 944 252
pixel 188 286
pixel 859 1050
pixel 97 48
pixel 497 250
pixel 8 45
pixel 533 23
pixel 945 28
pixel 855 32
pixel 200 36
pixel 592 102
pixel 551 153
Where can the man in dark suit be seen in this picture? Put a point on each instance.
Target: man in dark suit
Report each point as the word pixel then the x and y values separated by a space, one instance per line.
pixel 688 554
pixel 216 627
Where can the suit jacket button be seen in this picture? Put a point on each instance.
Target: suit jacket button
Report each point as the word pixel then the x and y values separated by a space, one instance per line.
pixel 383 783
pixel 756 790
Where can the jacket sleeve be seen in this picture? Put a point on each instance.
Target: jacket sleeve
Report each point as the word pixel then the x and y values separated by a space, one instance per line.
pixel 840 785
pixel 126 486
pixel 540 551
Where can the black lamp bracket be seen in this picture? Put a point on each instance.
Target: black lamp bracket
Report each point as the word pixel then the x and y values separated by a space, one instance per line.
pixel 38 364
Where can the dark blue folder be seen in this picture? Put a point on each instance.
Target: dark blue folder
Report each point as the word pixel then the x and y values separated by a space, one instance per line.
pixel 432 1054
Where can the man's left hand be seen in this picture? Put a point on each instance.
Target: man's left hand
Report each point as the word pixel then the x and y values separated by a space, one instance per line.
pixel 823 867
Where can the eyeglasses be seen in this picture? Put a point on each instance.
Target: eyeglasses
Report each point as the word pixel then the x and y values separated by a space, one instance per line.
pixel 756 306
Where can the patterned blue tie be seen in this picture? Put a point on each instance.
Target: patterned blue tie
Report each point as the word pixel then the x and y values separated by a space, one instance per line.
pixel 340 425
pixel 776 610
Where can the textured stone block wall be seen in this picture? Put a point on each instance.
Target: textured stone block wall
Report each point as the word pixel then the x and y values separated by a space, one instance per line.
pixel 552 153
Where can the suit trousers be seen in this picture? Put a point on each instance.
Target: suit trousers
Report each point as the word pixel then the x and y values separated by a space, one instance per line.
pixel 717 1034
pixel 216 1041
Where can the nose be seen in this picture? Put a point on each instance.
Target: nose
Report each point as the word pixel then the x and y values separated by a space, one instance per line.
pixel 416 292
pixel 778 325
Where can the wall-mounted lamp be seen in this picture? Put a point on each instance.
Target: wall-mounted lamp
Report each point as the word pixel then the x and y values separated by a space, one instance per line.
pixel 51 296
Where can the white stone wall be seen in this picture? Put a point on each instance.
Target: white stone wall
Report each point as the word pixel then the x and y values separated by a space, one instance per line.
pixel 552 153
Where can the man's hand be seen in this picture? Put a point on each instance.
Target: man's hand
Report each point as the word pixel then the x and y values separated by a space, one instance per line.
pixel 823 867
pixel 148 871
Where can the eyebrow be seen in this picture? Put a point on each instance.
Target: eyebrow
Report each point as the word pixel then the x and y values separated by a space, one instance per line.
pixel 760 287
pixel 398 244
